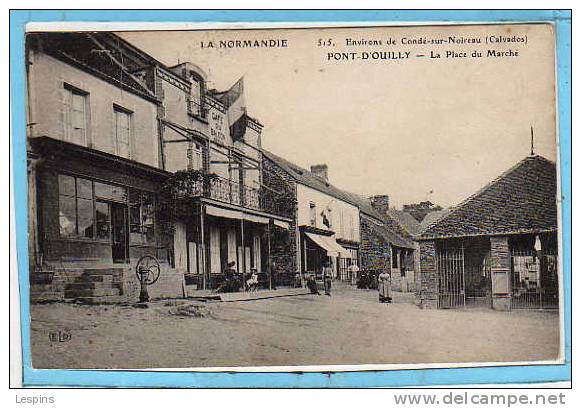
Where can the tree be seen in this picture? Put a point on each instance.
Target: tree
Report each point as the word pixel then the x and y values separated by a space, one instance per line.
pixel 420 210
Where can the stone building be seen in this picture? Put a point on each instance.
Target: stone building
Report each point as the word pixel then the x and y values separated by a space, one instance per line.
pixel 386 245
pixel 498 248
pixel 109 128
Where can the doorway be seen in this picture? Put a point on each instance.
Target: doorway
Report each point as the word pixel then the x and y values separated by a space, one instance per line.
pixel 119 228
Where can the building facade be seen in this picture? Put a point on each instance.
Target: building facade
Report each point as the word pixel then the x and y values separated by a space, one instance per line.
pixel 327 219
pixel 110 131
pixel 498 248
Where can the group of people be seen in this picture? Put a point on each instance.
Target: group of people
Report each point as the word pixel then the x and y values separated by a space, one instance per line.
pixel 383 283
pixel 327 274
pixel 232 283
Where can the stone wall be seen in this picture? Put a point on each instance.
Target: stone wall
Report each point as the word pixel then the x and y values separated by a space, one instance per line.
pixel 283 244
pixel 374 250
pixel 428 279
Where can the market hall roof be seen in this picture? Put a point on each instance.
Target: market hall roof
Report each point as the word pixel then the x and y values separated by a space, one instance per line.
pixel 521 200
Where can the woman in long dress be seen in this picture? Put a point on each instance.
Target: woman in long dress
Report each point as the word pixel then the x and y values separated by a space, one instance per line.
pixel 384 287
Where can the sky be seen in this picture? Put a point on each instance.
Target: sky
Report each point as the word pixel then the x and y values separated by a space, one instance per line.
pixel 415 129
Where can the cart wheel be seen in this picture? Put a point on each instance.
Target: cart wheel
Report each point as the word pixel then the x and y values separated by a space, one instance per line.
pixel 150 264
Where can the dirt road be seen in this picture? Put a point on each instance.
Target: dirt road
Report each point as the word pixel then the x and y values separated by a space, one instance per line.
pixel 350 327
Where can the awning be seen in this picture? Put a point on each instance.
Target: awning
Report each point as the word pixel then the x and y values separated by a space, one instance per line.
pixel 282 224
pixel 329 244
pixel 223 212
pixel 235 215
pixel 255 218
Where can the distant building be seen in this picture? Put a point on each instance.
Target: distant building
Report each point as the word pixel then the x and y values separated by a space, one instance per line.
pixel 499 247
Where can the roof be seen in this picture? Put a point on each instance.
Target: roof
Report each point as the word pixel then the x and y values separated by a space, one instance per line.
pixel 305 177
pixel 432 217
pixel 521 200
pixel 391 237
pixel 309 179
pixel 406 220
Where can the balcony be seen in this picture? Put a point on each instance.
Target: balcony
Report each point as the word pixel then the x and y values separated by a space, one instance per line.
pixel 231 192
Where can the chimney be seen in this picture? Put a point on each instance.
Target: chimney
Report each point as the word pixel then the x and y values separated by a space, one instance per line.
pixel 380 203
pixel 321 171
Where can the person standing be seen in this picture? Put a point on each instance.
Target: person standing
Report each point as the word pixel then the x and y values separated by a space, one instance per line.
pixel 273 274
pixel 384 287
pixel 327 277
pixel 353 271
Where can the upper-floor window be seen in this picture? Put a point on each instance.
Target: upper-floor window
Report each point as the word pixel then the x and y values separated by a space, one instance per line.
pixel 196 97
pixel 195 156
pixel 76 103
pixel 123 119
pixel 312 214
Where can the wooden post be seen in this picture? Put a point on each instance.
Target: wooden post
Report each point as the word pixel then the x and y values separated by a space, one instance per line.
pixel 203 246
pixel 243 269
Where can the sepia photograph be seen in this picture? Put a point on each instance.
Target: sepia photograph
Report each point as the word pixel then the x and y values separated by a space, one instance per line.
pixel 339 197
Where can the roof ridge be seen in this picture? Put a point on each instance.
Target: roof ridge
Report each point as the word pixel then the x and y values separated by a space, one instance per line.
pixel 487 186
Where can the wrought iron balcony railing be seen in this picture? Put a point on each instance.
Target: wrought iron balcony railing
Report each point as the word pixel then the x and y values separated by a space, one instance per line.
pixel 232 192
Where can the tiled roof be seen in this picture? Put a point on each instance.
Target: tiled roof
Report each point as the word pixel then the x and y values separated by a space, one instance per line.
pixel 406 220
pixel 391 237
pixel 523 199
pixel 432 217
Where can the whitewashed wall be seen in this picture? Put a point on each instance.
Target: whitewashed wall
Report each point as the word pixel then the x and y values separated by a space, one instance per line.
pixel 47 93
pixel 344 216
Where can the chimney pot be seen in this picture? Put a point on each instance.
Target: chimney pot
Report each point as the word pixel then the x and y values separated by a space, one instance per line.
pixel 321 171
pixel 380 203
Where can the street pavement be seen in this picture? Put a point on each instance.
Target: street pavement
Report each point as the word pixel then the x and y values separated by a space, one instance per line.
pixel 349 327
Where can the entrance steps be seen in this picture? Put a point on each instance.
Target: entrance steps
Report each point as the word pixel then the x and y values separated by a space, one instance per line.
pixel 83 284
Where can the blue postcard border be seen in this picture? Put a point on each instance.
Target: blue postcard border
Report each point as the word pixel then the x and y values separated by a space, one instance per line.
pixel 400 378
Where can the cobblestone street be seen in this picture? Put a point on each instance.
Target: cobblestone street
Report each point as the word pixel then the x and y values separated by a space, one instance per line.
pixel 350 327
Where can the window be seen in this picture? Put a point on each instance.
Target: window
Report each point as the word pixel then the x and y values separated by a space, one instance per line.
pixel 75 115
pixel 123 132
pixel 312 214
pixel 103 220
pixel 329 218
pixel 75 207
pixel 110 192
pixel 194 155
pixel 196 97
pixel 141 217
pixel 394 260
pixel 85 210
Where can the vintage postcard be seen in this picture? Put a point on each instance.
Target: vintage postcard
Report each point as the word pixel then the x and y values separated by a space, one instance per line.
pixel 293 198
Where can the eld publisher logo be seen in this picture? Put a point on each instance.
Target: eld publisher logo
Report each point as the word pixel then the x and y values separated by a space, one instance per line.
pixel 59 336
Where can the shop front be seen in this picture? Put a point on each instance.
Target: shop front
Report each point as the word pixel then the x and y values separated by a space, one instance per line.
pixel 319 247
pixel 220 240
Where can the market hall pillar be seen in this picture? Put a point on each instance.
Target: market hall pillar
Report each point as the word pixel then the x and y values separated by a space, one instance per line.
pixel 500 273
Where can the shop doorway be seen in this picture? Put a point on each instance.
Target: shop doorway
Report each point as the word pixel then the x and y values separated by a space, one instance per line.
pixel 119 232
